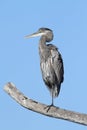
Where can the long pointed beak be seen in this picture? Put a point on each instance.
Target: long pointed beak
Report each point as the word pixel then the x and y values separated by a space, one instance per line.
pixel 34 35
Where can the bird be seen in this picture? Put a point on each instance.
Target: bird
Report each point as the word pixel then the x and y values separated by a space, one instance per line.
pixel 51 62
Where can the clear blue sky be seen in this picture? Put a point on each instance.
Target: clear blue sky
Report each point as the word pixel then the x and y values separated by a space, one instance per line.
pixel 19 60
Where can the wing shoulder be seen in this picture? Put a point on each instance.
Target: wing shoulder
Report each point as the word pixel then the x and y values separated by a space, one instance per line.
pixel 57 62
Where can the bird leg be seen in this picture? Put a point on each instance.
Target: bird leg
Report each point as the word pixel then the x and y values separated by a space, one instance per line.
pixel 52 98
pixel 49 106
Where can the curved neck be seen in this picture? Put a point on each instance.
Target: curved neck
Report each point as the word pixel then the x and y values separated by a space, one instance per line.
pixel 42 42
pixel 43 49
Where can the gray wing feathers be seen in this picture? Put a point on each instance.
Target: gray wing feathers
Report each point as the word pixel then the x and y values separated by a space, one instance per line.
pixel 52 70
pixel 57 64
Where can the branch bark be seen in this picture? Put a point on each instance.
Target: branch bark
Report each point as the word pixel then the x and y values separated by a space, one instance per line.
pixel 35 106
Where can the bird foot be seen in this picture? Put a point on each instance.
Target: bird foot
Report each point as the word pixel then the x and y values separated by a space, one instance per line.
pixel 48 107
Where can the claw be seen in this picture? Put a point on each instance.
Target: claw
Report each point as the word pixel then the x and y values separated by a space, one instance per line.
pixel 48 107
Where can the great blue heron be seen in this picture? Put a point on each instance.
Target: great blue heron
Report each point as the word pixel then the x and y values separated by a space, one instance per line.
pixel 51 62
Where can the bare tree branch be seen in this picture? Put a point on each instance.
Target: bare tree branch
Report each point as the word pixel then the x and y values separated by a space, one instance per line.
pixel 35 106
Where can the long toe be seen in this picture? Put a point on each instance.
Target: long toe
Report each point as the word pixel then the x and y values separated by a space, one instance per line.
pixel 48 107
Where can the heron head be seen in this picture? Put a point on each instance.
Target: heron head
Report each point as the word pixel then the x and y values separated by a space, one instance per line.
pixel 42 32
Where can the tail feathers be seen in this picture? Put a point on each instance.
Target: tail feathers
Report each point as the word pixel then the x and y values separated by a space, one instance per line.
pixel 55 90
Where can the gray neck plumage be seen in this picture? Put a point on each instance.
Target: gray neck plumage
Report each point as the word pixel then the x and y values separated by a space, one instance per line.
pixel 43 48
